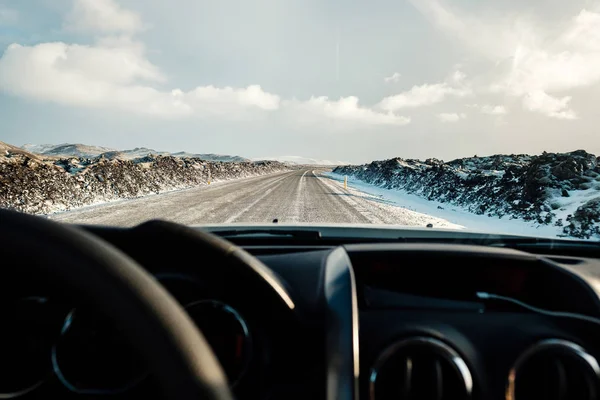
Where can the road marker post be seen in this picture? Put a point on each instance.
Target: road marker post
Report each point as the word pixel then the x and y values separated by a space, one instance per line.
pixel 346 182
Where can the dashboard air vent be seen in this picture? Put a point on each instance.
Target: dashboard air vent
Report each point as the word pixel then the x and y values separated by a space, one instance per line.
pixel 420 368
pixel 554 369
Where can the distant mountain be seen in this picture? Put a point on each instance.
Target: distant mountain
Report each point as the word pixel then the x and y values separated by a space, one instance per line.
pixel 301 160
pixel 67 150
pixel 212 157
pixel 6 149
pixel 38 148
pixel 141 152
pixel 86 151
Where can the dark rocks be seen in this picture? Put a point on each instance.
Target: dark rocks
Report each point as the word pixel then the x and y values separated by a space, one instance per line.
pixel 585 223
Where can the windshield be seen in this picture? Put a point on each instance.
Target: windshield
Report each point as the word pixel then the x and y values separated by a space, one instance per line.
pixel 419 113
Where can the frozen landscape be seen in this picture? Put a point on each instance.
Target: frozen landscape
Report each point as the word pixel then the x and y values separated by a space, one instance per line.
pixel 548 195
pixel 553 194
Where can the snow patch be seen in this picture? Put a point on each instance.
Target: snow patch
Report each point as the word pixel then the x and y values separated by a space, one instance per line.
pixel 382 209
pixel 455 217
pixel 555 192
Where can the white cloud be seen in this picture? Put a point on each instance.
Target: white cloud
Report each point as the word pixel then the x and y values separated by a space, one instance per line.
pixel 114 73
pixel 544 60
pixel 102 16
pixel 493 38
pixel 490 109
pixel 451 117
pixel 8 16
pixel 71 73
pixel 543 103
pixel 422 95
pixel 395 77
pixel 225 100
pixel 537 69
pixel 493 110
pixel 584 32
pixel 571 61
pixel 347 109
pixel 98 76
pixel 458 76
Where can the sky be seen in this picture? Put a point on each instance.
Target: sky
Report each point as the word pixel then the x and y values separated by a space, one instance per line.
pixel 328 79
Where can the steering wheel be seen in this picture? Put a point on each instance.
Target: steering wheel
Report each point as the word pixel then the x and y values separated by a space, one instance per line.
pixel 176 352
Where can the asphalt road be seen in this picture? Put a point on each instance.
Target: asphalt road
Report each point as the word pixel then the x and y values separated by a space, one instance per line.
pixel 298 196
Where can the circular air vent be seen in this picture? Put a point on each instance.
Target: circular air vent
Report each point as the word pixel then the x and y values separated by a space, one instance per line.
pixel 420 368
pixel 554 369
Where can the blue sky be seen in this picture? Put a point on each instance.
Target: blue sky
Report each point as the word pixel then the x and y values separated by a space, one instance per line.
pixel 327 79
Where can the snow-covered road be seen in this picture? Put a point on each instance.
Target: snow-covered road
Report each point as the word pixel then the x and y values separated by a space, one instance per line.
pixel 303 195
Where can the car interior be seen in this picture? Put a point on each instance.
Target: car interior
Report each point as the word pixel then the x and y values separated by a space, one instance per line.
pixel 162 310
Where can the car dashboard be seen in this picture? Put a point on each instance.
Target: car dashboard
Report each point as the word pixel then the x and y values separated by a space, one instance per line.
pixel 355 319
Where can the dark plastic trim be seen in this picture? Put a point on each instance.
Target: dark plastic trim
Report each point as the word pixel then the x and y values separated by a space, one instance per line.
pixel 342 327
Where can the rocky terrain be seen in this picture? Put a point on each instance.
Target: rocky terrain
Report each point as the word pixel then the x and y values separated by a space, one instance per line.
pixel 42 184
pixel 558 189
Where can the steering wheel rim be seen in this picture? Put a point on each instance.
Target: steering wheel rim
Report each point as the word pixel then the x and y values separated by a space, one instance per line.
pixel 176 352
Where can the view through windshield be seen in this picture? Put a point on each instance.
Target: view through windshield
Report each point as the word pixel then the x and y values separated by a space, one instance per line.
pixel 444 114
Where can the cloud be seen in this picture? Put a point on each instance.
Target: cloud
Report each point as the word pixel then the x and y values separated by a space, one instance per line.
pixel 544 61
pixel 458 76
pixel 347 109
pixel 423 95
pixel 114 73
pixel 70 72
pixel 8 16
pixel 451 117
pixel 493 110
pixel 545 104
pixel 113 77
pixel 214 100
pixel 102 16
pixel 583 32
pixel 494 38
pixel 395 77
pixel 489 109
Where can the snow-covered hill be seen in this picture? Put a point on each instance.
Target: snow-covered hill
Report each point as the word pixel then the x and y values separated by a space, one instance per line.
pixel 556 189
pixel 42 184
pixel 67 150
pixel 212 157
pixel 38 148
pixel 86 151
pixel 141 152
pixel 302 160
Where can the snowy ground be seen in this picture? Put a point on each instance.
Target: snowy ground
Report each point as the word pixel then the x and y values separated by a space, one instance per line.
pixel 451 214
pixel 379 210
